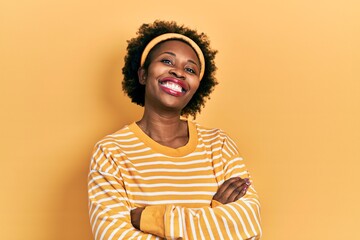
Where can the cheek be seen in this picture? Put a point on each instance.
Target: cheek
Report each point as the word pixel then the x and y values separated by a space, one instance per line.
pixel 195 84
pixel 156 69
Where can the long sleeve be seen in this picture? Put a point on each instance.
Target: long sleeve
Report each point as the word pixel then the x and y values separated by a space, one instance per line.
pixel 176 186
pixel 109 206
pixel 237 220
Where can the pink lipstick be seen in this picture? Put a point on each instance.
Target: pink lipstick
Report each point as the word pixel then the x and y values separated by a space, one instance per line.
pixel 173 86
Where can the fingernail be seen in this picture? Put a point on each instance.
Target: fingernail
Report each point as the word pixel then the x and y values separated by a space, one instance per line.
pixel 247 181
pixel 244 190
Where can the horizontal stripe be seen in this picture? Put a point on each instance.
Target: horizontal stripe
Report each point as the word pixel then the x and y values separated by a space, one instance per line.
pixel 169 177
pixel 126 173
pixel 167 170
pixel 166 162
pixel 184 185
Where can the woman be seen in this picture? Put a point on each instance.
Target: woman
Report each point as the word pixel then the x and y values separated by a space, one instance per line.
pixel 165 176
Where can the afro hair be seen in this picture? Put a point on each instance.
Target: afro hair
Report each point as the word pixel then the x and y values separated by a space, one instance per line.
pixel 136 91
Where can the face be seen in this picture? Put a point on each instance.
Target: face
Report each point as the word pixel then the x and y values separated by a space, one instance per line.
pixel 172 77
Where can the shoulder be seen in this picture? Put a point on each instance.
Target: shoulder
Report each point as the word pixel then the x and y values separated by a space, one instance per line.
pixel 202 130
pixel 108 149
pixel 211 133
pixel 114 139
pixel 219 139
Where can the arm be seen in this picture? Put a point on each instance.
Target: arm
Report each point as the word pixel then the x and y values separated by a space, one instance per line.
pixel 230 191
pixel 109 206
pixel 235 220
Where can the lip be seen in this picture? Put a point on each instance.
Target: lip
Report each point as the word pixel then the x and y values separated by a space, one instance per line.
pixel 172 92
pixel 177 81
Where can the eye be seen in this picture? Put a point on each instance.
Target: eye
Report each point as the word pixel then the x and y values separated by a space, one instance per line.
pixel 166 61
pixel 190 70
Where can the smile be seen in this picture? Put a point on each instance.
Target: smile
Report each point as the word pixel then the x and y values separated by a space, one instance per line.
pixel 173 86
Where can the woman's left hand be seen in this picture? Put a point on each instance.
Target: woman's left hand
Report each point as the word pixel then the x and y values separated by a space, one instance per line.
pixel 232 190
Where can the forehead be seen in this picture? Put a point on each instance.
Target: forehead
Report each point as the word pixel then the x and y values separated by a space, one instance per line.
pixel 178 47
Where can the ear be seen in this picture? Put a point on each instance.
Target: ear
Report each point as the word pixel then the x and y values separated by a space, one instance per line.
pixel 142 76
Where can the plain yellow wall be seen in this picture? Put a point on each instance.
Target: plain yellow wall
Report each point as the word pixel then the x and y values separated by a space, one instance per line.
pixel 289 95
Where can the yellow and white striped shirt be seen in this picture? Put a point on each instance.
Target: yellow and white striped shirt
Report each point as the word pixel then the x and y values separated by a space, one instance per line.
pixel 129 169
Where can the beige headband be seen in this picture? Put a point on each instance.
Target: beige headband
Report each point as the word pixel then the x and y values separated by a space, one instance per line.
pixel 168 36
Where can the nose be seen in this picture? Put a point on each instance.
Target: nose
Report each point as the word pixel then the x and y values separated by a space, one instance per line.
pixel 177 72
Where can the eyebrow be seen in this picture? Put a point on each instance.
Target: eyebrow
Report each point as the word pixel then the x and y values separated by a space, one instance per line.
pixel 173 54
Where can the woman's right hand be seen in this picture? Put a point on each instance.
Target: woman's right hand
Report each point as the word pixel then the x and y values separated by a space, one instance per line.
pixel 232 190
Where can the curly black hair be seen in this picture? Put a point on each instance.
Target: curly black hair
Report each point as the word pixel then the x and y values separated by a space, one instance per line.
pixel 136 91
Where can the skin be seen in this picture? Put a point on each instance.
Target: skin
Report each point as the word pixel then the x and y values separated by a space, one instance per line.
pixel 232 190
pixel 161 119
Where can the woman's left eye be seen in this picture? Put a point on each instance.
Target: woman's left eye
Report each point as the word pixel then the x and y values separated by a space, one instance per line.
pixel 190 70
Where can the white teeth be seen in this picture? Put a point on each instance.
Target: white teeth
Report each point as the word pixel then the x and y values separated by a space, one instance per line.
pixel 173 86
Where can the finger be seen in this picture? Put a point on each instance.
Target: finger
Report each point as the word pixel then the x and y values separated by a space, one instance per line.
pixel 236 191
pixel 233 190
pixel 243 192
pixel 224 186
pixel 236 184
pixel 230 181
pixel 230 190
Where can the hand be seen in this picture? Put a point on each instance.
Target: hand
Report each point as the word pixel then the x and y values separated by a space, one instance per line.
pixel 232 190
pixel 135 215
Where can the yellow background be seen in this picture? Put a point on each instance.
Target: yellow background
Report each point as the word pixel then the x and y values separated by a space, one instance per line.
pixel 289 95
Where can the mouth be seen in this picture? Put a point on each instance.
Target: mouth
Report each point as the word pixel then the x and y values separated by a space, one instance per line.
pixel 173 86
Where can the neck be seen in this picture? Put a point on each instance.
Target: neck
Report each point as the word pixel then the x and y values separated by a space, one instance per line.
pixel 166 129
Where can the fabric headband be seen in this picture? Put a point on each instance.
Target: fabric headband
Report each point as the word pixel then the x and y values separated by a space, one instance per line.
pixel 169 36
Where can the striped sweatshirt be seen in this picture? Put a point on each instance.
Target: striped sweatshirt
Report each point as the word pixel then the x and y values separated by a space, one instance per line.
pixel 128 170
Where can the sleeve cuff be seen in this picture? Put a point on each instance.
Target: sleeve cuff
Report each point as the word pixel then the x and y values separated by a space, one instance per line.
pixel 215 203
pixel 152 220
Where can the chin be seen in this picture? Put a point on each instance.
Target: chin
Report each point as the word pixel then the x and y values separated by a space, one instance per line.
pixel 173 107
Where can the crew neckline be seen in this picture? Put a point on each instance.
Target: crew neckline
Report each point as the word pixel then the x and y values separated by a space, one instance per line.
pixel 188 148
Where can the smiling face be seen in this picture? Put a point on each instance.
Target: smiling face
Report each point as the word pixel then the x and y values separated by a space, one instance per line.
pixel 172 76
